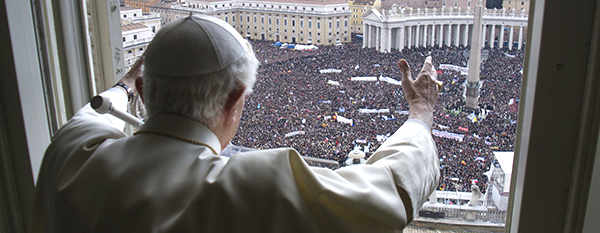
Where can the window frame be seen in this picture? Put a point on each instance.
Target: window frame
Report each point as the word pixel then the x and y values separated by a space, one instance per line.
pixel 581 167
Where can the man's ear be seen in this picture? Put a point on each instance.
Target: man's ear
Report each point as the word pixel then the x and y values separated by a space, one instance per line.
pixel 232 101
pixel 139 86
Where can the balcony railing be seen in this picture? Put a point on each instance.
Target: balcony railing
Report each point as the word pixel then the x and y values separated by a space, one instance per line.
pixel 137 42
pixel 280 10
pixel 467 214
pixel 397 12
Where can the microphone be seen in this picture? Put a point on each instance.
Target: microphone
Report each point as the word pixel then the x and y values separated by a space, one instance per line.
pixel 103 105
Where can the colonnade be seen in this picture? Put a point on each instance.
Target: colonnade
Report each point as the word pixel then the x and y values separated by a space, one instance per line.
pixel 395 32
pixel 411 36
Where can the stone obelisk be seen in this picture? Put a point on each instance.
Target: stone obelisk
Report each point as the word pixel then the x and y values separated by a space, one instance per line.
pixel 473 84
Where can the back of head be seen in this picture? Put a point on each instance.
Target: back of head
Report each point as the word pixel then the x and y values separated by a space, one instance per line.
pixel 192 65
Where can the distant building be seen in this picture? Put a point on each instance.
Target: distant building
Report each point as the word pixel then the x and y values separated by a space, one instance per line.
pixel 522 5
pixel 164 9
pixel 134 15
pixel 140 4
pixel 358 8
pixel 136 38
pixel 320 22
pixel 399 28
pixel 138 28
pixel 431 3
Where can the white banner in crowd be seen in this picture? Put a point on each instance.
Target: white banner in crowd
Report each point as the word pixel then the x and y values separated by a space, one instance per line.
pixel 443 126
pixel 390 80
pixel 363 141
pixel 326 71
pixel 294 133
pixel 462 70
pixel 344 120
pixel 366 110
pixel 333 82
pixel 446 134
pixel 363 79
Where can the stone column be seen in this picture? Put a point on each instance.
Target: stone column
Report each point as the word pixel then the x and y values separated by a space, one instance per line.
pixel 425 35
pixel 473 84
pixel 409 28
pixel 365 35
pixel 448 32
pixel 441 35
pixel 501 37
pixel 402 42
pixel 520 37
pixel 457 36
pixel 492 36
pixel 383 36
pixel 370 44
pixel 510 37
pixel 432 37
pixel 422 35
pixel 378 36
pixel 429 30
pixel 417 36
pixel 375 36
pixel 389 39
pixel 465 37
pixel 483 34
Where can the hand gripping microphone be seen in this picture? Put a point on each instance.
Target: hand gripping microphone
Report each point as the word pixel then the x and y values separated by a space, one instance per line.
pixel 103 105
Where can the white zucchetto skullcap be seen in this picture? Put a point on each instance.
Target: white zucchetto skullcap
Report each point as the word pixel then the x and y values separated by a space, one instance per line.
pixel 192 46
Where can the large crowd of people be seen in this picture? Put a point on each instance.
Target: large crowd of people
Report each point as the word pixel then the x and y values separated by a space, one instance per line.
pixel 295 105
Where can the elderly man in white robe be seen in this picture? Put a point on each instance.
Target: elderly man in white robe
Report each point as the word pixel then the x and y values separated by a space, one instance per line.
pixel 169 176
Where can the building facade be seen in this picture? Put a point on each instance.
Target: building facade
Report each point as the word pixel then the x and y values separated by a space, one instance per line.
pixel 135 15
pixel 164 9
pixel 430 3
pixel 522 5
pixel 137 29
pixel 136 38
pixel 140 4
pixel 320 22
pixel 399 28
pixel 358 8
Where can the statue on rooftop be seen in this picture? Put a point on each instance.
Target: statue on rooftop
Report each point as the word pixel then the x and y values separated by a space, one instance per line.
pixel 475 195
pixel 394 9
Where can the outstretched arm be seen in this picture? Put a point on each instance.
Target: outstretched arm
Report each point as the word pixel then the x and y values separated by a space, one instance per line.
pixel 421 94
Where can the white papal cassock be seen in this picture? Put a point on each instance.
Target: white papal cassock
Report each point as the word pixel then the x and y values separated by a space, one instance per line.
pixel 94 178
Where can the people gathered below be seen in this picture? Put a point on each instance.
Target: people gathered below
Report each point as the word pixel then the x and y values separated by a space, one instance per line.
pixel 292 95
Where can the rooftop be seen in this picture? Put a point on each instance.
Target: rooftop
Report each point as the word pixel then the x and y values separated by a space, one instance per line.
pixel 132 26
pixel 128 8
pixel 163 4
pixel 364 1
pixel 144 1
pixel 312 2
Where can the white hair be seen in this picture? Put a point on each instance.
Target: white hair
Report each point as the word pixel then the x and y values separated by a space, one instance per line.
pixel 200 98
